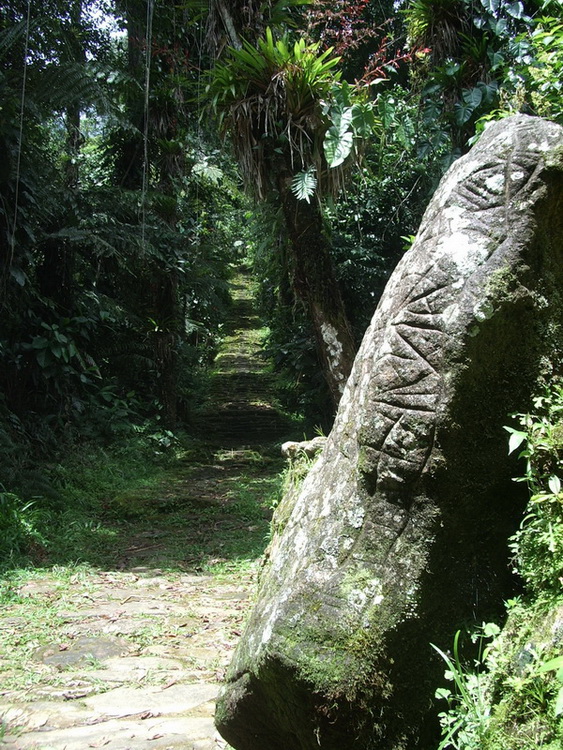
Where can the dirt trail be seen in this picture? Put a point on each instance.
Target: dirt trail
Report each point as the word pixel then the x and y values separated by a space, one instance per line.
pixel 132 657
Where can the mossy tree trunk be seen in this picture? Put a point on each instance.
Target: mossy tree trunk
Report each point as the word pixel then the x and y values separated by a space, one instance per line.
pixel 315 284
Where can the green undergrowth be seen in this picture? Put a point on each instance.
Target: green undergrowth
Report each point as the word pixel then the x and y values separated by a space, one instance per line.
pixel 184 507
pixel 510 696
pixel 56 511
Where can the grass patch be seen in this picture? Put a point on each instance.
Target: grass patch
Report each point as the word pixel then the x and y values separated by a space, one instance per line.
pixel 121 510
pixel 62 512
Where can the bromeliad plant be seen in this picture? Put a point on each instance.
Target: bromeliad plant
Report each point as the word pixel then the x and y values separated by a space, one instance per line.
pixel 289 114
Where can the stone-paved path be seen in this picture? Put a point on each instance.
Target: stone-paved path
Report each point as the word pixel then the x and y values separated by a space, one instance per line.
pixel 135 654
pixel 95 687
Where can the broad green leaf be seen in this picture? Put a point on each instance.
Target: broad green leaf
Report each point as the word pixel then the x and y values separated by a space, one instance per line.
pixel 451 69
pixel 341 94
pixel 472 97
pixel 516 439
pixel 341 119
pixel 18 275
pixel 491 630
pixel 559 703
pixel 42 357
pixel 443 693
pixel 337 146
pixel 550 665
pixel 489 91
pixel 39 342
pixel 432 88
pixel 496 59
pixel 462 113
pixel 491 6
pixel 516 10
pixel 432 111
pixel 554 484
pixel 500 27
pixel 363 120
pixel 386 109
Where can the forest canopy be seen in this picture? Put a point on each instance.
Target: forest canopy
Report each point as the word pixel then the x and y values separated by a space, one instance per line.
pixel 131 132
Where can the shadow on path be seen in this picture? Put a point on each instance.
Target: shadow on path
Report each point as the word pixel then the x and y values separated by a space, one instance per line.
pixel 131 657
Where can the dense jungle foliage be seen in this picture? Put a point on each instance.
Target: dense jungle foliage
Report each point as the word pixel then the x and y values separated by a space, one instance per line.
pixel 149 148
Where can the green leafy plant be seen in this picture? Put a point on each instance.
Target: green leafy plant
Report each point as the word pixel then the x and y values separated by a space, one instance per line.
pixel 465 722
pixel 304 184
pixel 512 697
pixel 555 665
pixel 286 100
pixel 538 545
pixel 19 527
pixel 540 71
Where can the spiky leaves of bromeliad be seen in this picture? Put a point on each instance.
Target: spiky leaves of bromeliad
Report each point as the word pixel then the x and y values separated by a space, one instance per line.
pixel 268 98
pixel 281 104
pixel 437 24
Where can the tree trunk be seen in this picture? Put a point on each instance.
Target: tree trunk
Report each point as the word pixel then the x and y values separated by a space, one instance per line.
pixel 228 23
pixel 56 271
pixel 315 283
pixel 164 292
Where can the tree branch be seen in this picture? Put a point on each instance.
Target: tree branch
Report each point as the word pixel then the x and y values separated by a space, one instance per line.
pixel 228 24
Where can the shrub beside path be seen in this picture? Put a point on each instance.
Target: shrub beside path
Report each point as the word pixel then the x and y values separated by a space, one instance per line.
pixel 131 655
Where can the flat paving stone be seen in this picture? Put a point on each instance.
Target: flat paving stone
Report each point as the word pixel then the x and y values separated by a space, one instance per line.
pixel 41 714
pixel 140 734
pixel 132 669
pixel 176 699
pixel 145 606
pixel 82 649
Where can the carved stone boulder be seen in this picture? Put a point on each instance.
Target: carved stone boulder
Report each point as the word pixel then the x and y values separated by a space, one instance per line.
pixel 398 534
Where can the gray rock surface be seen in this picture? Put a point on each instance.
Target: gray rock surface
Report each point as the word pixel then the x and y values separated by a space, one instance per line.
pixel 398 535
pixel 308 448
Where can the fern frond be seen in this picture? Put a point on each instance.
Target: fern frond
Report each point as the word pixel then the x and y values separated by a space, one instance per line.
pixel 304 184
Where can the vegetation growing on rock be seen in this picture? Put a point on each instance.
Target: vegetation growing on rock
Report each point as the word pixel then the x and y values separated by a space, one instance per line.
pixel 512 695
